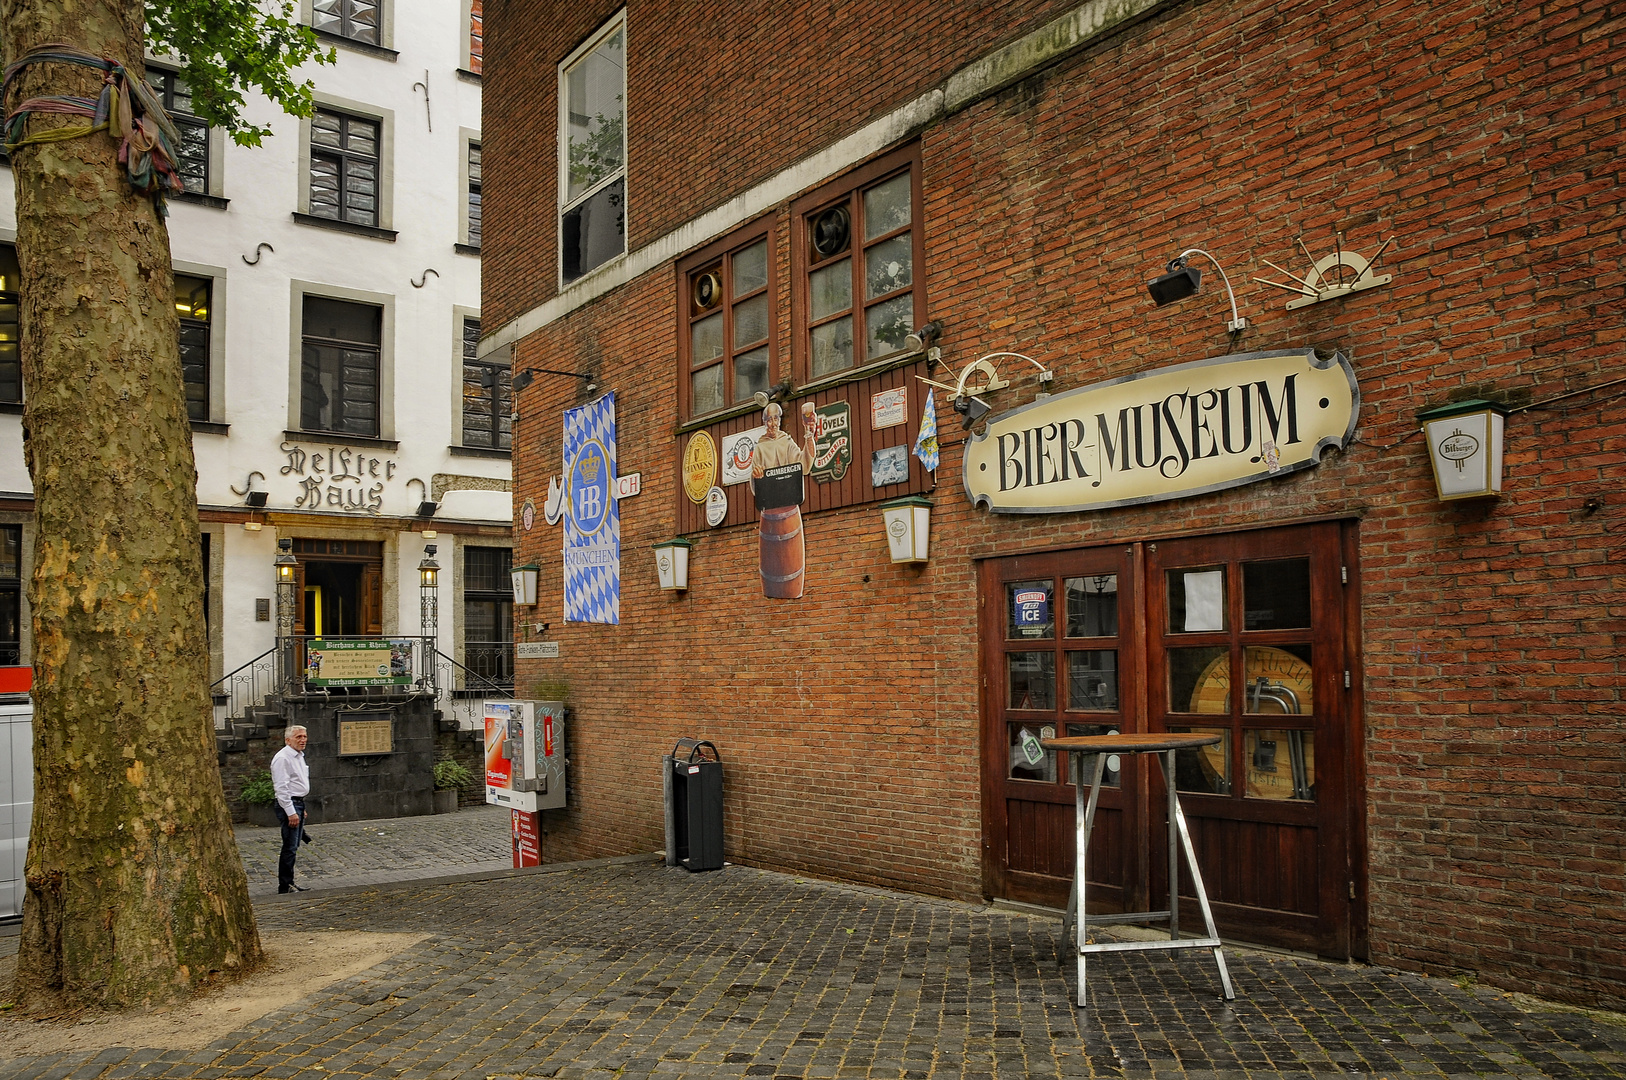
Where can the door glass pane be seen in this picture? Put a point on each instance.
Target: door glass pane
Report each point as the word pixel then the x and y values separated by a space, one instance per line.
pixel 1276 594
pixel 1279 680
pixel 706 390
pixel 1204 769
pixel 886 206
pixel 1027 610
pixel 1196 599
pixel 1032 680
pixel 751 268
pixel 1280 764
pixel 1200 679
pixel 1109 778
pixel 1092 606
pixel 1028 760
pixel 1092 680
pixel 831 289
pixel 833 346
pixel 706 340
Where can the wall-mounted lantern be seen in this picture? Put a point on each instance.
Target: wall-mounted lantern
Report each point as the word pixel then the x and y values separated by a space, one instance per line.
pixel 525 583
pixel 1465 448
pixel 672 563
pixel 908 528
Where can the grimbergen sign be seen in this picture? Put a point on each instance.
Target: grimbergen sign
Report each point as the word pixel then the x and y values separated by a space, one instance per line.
pixel 1165 434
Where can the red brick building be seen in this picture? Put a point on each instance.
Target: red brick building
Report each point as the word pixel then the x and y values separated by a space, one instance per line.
pixel 1421 700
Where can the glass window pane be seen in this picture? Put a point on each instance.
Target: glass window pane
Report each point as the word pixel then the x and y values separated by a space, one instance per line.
pixel 1028 611
pixel 324 186
pixel 1028 759
pixel 594 93
pixel 192 155
pixel 11 552
pixel 751 321
pixel 706 340
pixel 830 290
pixel 1196 599
pixel 751 268
pixel 706 390
pixel 833 346
pixel 888 267
pixel 361 136
pixel 327 15
pixel 1032 680
pixel 750 373
pixel 1110 776
pixel 1205 770
pixel 363 21
pixel 1092 606
pixel 1092 680
pixel 886 207
pixel 1276 594
pixel 327 128
pixel 1279 681
pixel 595 232
pixel 194 344
pixel 888 323
pixel 1200 679
pixel 339 320
pixel 1279 764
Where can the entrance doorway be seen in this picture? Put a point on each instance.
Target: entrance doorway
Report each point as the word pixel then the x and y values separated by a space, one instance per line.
pixel 1246 635
pixel 341 586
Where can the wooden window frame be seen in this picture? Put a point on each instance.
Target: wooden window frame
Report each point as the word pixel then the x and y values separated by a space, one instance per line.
pixel 849 189
pixel 719 256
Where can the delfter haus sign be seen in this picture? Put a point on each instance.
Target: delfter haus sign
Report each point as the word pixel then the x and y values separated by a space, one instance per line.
pixel 1165 434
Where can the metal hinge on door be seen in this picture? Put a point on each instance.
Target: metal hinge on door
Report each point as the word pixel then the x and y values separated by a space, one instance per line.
pixel 1352 890
pixel 1346 678
pixel 1343 575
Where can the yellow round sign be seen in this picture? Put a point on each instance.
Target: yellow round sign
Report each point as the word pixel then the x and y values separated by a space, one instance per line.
pixel 699 466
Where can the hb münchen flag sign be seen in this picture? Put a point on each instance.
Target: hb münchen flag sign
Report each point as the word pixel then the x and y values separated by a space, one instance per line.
pixel 592 551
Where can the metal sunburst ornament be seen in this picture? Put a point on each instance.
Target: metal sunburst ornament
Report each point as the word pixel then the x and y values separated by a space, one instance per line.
pixel 1331 277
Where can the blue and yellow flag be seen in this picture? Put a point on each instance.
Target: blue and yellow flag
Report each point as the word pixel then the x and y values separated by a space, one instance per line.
pixel 926 442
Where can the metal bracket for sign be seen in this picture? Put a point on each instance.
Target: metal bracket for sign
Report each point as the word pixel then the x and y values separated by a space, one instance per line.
pixel 1353 273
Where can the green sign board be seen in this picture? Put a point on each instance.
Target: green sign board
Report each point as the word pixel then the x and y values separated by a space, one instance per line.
pixel 359 662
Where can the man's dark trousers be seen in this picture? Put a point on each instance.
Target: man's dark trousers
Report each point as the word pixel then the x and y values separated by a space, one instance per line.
pixel 291 835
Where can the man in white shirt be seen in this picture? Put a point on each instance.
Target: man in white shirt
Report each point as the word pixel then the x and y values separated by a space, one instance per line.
pixel 291 781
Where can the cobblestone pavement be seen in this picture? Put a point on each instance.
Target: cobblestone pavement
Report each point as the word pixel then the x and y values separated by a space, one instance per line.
pixel 348 853
pixel 628 969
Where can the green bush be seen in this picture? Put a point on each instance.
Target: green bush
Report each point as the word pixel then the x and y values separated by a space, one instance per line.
pixel 451 774
pixel 257 789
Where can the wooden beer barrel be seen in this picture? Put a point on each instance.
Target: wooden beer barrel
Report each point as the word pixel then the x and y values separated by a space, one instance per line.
pixel 781 553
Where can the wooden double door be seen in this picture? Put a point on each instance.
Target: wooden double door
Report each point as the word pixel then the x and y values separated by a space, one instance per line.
pixel 1248 635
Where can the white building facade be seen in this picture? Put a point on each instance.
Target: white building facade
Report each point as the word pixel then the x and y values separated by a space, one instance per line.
pixel 328 285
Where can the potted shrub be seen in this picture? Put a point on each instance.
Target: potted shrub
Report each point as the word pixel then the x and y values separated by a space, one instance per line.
pixel 260 796
pixel 451 777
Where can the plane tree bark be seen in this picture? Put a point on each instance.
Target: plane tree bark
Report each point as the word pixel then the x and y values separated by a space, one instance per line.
pixel 135 890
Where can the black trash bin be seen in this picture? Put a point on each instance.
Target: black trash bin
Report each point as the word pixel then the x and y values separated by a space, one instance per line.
pixel 694 806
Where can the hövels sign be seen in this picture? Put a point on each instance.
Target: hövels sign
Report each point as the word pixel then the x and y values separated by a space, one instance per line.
pixel 1165 434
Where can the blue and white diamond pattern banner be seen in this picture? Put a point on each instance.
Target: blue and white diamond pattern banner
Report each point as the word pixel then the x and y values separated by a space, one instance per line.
pixel 592 552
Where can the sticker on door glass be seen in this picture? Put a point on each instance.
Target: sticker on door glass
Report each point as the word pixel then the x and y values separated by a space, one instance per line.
pixel 1032 611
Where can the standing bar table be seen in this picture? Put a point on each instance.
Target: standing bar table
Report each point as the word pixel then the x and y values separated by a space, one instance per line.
pixel 1165 745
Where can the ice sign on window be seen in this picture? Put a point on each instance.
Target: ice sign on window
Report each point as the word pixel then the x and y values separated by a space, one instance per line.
pixel 1030 610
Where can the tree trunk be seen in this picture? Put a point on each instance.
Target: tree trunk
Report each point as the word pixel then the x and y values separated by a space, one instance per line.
pixel 135 890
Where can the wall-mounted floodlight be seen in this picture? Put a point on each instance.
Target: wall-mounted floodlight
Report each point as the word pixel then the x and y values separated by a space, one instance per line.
pixel 1180 280
pixel 922 339
pixel 528 376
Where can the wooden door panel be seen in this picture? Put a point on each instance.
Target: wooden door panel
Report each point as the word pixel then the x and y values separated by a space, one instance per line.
pixel 1282 864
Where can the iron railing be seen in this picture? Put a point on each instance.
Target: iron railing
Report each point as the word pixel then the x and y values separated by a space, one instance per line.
pixel 240 690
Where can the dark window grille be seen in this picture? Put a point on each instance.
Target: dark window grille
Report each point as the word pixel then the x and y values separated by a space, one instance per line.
pixel 344 168
pixel 11 594
pixel 192 296
pixel 11 363
pixel 340 363
pixel 487 396
pixel 488 613
pixel 474 194
pixel 192 154
pixel 353 19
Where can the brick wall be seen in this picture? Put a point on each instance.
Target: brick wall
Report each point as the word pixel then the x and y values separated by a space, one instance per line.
pixel 1486 138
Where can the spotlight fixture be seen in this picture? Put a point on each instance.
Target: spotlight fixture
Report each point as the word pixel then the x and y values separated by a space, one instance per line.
pixel 971 409
pixel 426 509
pixel 1180 280
pixel 922 339
pixel 255 499
pixel 252 496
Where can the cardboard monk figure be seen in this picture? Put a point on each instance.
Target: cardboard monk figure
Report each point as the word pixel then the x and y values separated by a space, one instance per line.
pixel 778 467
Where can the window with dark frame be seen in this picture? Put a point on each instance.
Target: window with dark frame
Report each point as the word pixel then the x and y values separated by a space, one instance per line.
pixel 488 614
pixel 474 194
pixel 194 309
pixel 476 35
pixel 856 270
pixel 11 363
pixel 344 168
pixel 728 326
pixel 11 594
pixel 340 367
pixel 192 153
pixel 357 20
pixel 487 396
pixel 593 187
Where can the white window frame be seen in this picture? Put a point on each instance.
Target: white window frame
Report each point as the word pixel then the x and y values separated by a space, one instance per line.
pixel 298 290
pixel 581 52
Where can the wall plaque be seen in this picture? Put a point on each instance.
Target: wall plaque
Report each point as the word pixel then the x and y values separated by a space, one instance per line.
pixel 1165 434
pixel 366 737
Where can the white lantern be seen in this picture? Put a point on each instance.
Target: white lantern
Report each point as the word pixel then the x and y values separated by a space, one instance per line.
pixel 1465 448
pixel 908 528
pixel 672 563
pixel 524 578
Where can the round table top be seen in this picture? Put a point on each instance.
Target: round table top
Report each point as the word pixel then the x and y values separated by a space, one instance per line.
pixel 1146 743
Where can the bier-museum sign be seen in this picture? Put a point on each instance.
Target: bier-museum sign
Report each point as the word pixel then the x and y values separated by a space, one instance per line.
pixel 1165 434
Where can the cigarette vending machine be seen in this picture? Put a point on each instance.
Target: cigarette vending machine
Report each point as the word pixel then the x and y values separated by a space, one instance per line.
pixel 525 767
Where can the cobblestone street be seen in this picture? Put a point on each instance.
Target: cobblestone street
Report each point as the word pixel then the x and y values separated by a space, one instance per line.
pixel 626 969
